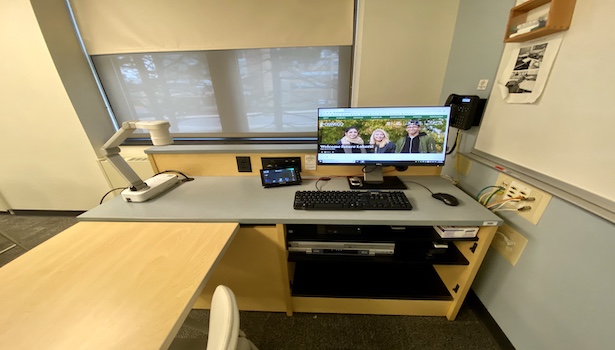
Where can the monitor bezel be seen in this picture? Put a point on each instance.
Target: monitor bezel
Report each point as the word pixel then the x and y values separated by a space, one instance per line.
pixel 383 163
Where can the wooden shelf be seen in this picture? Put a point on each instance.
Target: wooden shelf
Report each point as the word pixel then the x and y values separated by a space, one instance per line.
pixel 408 274
pixel 347 280
pixel 406 253
pixel 558 19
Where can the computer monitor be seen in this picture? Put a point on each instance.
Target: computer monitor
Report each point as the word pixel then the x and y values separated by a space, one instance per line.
pixel 374 137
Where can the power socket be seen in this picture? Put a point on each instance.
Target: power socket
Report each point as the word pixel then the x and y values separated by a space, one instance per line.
pixel 509 243
pixel 244 165
pixel 516 188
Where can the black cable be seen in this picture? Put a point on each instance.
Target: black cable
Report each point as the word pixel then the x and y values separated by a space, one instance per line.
pixel 375 167
pixel 364 171
pixel 186 178
pixel 321 179
pixel 106 194
pixel 454 144
pixel 421 185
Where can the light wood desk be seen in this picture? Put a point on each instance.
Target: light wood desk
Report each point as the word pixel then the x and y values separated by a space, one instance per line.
pixel 108 285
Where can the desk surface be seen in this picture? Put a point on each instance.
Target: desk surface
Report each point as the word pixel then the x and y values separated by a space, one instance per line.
pixel 244 200
pixel 108 285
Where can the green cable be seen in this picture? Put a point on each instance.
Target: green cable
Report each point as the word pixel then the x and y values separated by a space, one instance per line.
pixel 481 191
pixel 493 194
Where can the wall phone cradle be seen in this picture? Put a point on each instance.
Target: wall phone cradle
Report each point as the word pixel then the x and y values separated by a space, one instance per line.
pixel 466 110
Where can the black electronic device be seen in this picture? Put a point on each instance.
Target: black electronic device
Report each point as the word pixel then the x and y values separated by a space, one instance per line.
pixel 280 177
pixel 355 182
pixel 351 200
pixel 466 110
pixel 374 137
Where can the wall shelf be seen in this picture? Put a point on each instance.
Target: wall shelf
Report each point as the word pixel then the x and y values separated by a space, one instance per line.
pixel 558 19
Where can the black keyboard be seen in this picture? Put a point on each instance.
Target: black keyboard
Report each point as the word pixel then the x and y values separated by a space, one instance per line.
pixel 351 200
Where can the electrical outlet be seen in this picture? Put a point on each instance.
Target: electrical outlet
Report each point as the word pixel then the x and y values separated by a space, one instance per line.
pixel 244 165
pixel 482 84
pixel 518 189
pixel 514 188
pixel 509 243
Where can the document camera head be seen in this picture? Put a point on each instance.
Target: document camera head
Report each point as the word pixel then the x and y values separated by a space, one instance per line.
pixel 158 130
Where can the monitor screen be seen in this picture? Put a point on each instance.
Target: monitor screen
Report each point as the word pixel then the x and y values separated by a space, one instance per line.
pixel 380 136
pixel 400 136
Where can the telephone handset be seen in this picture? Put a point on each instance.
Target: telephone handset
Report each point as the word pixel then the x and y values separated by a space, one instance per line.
pixel 466 111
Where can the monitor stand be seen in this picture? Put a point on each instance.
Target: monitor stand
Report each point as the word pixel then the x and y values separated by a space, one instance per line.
pixel 373 179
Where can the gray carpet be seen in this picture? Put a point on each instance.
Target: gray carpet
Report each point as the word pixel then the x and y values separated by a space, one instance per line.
pixel 26 232
pixel 276 331
pixel 336 332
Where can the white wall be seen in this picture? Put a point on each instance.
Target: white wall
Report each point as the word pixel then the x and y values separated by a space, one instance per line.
pixel 568 130
pixel 477 46
pixel 475 55
pixel 558 296
pixel 402 51
pixel 46 159
pixel 3 206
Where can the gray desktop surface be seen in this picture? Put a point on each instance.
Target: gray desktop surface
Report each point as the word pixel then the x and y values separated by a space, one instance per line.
pixel 244 200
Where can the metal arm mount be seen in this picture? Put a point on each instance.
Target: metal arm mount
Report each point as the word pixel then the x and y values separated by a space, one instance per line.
pixel 159 131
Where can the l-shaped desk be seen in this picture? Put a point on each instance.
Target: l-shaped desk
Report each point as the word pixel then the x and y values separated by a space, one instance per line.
pixel 265 277
pixel 108 285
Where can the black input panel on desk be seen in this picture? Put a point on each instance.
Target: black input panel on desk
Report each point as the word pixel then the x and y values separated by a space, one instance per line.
pixel 407 273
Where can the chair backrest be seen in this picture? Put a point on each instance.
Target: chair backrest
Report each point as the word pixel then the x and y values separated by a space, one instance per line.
pixel 223 320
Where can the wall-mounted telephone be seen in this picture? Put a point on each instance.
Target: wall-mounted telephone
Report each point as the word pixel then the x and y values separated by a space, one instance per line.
pixel 466 111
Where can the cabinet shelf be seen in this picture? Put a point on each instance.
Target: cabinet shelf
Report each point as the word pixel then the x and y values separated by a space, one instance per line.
pixel 413 245
pixel 366 233
pixel 377 281
pixel 408 253
pixel 558 19
pixel 421 277
pixel 407 274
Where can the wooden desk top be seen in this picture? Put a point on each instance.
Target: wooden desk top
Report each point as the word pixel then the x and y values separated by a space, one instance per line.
pixel 104 285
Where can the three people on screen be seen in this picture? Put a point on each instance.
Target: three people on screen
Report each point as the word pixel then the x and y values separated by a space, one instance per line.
pixel 416 141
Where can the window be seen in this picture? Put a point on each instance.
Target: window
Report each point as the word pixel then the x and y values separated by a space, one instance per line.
pixel 273 93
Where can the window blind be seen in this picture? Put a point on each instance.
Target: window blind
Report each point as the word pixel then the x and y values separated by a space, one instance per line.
pixel 120 26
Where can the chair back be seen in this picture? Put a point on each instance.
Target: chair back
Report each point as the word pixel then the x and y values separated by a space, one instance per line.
pixel 223 320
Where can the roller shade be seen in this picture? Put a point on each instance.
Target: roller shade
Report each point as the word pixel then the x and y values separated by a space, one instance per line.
pixel 130 26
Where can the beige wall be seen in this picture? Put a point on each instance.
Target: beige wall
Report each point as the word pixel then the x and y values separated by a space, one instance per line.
pixel 402 51
pixel 46 161
pixel 3 205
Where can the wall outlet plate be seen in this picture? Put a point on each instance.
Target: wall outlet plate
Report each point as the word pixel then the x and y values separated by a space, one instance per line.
pixel 482 84
pixel 514 187
pixel 244 165
pixel 509 243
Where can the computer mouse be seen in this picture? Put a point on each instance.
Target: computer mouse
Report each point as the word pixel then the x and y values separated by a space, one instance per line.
pixel 448 199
